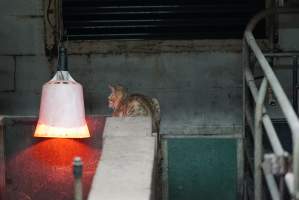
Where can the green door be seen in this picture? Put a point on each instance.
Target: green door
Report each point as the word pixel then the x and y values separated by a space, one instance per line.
pixel 201 168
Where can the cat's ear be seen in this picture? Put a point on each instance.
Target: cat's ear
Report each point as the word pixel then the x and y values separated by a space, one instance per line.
pixel 112 88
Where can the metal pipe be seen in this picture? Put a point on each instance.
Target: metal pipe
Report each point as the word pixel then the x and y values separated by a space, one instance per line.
pixel 62 60
pixel 272 136
pixel 271 98
pixel 282 99
pixel 245 95
pixel 296 166
pixel 289 179
pixel 257 18
pixel 249 121
pixel 270 130
pixel 282 54
pixel 280 95
pixel 77 171
pixel 2 160
pixel 258 140
pixel 295 83
pixel 273 81
pixel 270 181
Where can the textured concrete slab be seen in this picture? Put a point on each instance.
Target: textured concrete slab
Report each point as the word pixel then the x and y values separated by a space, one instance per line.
pixel 7 71
pixel 126 169
pixel 195 90
pixel 2 161
pixel 21 7
pixel 32 72
pixel 20 103
pixel 285 42
pixel 127 164
pixel 21 35
pixel 128 126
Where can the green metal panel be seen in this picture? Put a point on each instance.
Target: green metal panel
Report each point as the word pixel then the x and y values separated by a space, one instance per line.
pixel 202 168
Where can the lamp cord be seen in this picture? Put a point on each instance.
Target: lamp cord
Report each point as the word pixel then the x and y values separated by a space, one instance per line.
pixel 60 41
pixel 48 14
pixel 60 25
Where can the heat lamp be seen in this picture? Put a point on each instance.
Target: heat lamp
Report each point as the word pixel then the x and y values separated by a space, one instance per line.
pixel 62 113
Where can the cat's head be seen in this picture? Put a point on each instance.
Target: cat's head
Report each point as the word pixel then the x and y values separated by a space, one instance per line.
pixel 118 94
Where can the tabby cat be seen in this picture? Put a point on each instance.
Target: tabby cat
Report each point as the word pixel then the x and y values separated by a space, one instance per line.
pixel 133 105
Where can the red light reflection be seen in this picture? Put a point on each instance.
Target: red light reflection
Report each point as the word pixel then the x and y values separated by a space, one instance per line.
pixel 44 170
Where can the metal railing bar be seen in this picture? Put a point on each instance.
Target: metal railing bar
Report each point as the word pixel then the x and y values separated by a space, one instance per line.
pixel 283 66
pixel 282 54
pixel 273 81
pixel 251 83
pixel 270 180
pixel 281 97
pixel 258 140
pixel 249 120
pixel 289 179
pixel 272 136
pixel 257 18
pixel 270 130
pixel 295 83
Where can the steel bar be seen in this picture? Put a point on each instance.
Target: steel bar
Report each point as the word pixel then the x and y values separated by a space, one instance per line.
pixel 245 93
pixel 273 81
pixel 272 136
pixel 282 99
pixel 271 183
pixel 282 54
pixel 258 140
pixel 289 179
pixel 295 83
pixel 270 131
pixel 91 8
pixel 2 160
pixel 249 121
pixel 280 95
pixel 77 170
pixel 1 120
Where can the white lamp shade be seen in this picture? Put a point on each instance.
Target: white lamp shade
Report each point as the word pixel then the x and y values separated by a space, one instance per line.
pixel 62 112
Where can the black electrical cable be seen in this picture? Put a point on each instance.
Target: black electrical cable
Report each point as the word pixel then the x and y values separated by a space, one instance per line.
pixel 48 12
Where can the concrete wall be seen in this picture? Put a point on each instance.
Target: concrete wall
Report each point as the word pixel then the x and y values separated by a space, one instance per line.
pixel 199 88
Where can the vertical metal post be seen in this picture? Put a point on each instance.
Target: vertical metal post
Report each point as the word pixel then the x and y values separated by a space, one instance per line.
pixel 245 61
pixel 165 189
pixel 295 84
pixel 258 142
pixel 296 166
pixel 2 161
pixel 271 99
pixel 77 170
pixel 295 136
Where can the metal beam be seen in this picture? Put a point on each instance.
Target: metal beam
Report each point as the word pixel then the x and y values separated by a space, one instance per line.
pixel 281 97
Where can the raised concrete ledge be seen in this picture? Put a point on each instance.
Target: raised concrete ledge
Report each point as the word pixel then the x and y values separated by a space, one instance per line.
pixel 1 120
pixel 2 160
pixel 128 126
pixel 126 168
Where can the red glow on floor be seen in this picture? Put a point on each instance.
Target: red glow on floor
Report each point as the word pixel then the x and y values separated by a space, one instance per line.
pixel 60 152
pixel 45 169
